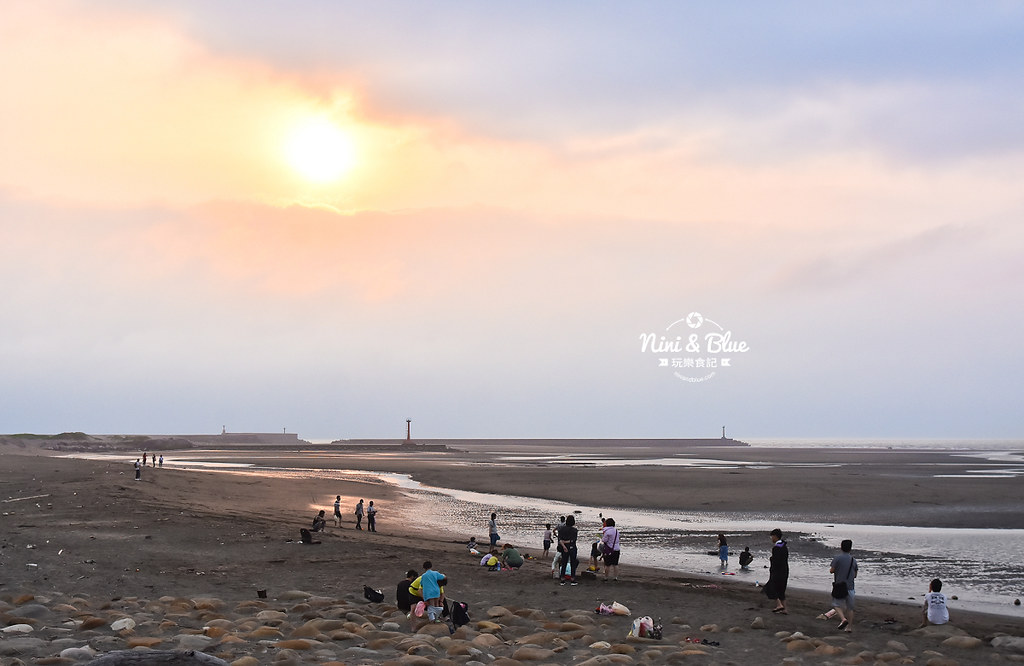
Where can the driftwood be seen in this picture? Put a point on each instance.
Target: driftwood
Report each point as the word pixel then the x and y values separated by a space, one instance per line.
pixel 161 657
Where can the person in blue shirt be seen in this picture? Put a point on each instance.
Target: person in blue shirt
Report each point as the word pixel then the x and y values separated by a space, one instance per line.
pixel 431 582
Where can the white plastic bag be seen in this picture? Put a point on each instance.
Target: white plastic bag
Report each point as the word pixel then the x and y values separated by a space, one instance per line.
pixel 642 627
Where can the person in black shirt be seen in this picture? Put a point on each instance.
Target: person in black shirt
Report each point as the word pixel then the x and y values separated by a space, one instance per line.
pixel 402 595
pixel 567 547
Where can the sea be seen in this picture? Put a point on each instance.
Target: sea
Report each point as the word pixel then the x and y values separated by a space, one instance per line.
pixel 982 569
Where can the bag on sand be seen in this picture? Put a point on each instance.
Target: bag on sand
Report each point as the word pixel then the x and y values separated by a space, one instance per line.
pixel 642 627
pixel 839 590
pixel 460 613
pixel 375 596
pixel 619 609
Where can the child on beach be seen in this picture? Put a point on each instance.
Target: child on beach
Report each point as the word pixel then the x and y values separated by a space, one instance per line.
pixel 431 582
pixel 491 560
pixel 935 611
pixel 547 538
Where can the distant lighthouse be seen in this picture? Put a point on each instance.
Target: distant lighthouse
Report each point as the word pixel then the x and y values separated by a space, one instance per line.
pixel 408 430
pixel 723 432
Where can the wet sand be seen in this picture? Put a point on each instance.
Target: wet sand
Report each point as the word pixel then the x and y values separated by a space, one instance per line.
pixel 101 540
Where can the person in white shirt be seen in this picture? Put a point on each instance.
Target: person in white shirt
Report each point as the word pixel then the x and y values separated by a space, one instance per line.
pixel 935 611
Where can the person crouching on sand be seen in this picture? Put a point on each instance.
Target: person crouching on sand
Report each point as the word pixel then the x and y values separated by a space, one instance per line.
pixel 935 610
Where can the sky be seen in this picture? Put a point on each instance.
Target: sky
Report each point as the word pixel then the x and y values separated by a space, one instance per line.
pixel 328 217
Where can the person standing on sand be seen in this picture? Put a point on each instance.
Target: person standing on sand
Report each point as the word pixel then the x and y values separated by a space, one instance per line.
pixel 778 572
pixel 844 569
pixel 547 539
pixel 492 529
pixel 359 515
pixel 371 518
pixel 723 550
pixel 161 460
pixel 337 510
pixel 567 535
pixel 138 470
pixel 610 539
pixel 431 582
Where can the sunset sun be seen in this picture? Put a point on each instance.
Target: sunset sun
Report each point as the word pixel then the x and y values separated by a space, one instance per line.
pixel 320 151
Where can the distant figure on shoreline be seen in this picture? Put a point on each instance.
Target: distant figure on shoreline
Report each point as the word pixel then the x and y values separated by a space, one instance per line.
pixel 723 551
pixel 359 515
pixel 161 460
pixel 371 518
pixel 337 510
pixel 778 572
pixel 138 470
pixel 547 538
pixel 935 610
pixel 492 529
pixel 844 570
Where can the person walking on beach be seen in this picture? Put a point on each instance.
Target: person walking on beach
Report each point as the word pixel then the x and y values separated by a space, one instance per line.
pixel 844 570
pixel 492 529
pixel 778 572
pixel 371 518
pixel 359 515
pixel 723 550
pixel 567 535
pixel 547 538
pixel 337 510
pixel 138 470
pixel 610 549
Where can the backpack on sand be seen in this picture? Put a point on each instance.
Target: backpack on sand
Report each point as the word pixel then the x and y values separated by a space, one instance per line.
pixel 375 596
pixel 460 613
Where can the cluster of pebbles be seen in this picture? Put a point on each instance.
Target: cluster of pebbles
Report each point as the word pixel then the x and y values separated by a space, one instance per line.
pixel 297 627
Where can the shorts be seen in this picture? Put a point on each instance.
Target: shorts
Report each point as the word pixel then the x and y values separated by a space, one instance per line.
pixel 494 539
pixel 611 558
pixel 846 603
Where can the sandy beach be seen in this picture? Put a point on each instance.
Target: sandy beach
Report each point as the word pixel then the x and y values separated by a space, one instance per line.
pixel 184 552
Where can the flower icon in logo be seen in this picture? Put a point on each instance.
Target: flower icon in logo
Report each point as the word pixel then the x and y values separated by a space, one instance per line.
pixel 694 320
